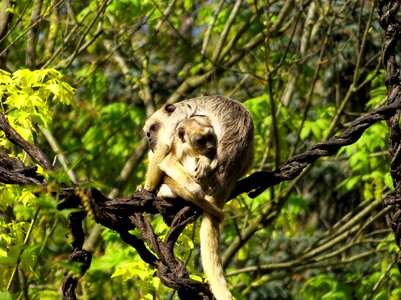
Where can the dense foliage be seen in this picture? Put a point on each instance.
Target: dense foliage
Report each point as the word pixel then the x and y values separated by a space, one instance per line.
pixel 78 79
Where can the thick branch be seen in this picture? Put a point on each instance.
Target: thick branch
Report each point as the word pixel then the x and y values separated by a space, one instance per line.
pixel 257 182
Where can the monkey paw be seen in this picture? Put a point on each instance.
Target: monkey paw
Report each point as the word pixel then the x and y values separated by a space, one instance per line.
pixel 196 190
pixel 202 169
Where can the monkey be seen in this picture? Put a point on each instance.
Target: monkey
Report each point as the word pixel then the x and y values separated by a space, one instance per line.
pixel 193 154
pixel 158 125
pixel 233 127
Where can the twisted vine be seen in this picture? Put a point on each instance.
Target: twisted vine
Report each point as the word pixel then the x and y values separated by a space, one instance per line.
pixel 387 11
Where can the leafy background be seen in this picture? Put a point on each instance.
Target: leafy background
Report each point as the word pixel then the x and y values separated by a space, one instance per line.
pixel 79 78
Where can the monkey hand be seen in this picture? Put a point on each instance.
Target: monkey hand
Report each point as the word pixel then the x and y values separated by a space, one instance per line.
pixel 202 169
pixel 195 190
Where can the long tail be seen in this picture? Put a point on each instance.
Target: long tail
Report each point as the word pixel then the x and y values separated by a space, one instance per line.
pixel 211 259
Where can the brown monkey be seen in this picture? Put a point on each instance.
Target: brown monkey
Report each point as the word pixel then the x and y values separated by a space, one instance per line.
pixel 233 127
pixel 190 160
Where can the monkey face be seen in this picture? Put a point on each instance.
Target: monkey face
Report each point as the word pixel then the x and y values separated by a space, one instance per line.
pixel 205 144
pixel 155 123
pixel 152 135
pixel 198 133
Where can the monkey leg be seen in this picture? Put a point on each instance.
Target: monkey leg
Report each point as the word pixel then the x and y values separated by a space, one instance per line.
pixel 184 186
pixel 174 169
pixel 205 205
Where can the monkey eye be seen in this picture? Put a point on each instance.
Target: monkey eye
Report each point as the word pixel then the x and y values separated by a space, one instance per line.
pixel 201 140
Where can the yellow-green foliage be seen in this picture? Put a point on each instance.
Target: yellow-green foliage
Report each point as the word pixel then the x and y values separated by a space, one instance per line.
pixel 26 100
pixel 27 95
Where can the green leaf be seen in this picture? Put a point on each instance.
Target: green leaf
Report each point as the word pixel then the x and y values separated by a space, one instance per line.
pixel 388 180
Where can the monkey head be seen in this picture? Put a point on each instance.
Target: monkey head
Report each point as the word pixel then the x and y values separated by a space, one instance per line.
pixel 155 123
pixel 205 144
pixel 199 134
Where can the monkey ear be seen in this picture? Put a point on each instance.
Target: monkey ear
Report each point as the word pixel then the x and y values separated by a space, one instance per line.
pixel 169 108
pixel 181 134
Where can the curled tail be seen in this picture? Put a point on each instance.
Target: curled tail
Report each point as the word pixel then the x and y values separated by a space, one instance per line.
pixel 211 259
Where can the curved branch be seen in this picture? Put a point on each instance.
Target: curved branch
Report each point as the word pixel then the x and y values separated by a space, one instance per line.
pixel 257 182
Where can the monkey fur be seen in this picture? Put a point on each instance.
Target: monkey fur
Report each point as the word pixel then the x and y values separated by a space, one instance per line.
pixel 233 128
pixel 191 159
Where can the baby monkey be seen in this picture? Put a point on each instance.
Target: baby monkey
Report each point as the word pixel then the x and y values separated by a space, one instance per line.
pixel 187 166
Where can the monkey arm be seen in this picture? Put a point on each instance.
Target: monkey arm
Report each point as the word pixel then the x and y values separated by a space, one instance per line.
pixel 163 147
pixel 185 187
pixel 154 174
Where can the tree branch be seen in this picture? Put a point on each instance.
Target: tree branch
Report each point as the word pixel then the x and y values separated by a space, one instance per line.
pixel 257 182
pixel 387 11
